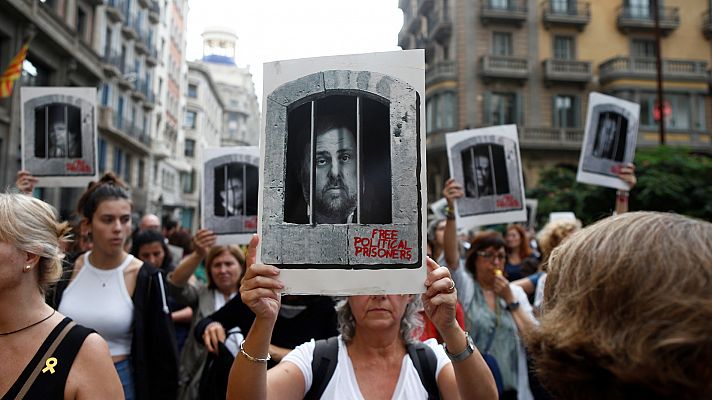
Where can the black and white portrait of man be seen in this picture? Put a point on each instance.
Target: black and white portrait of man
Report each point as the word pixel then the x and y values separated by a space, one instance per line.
pixel 59 134
pixel 609 140
pixel 231 193
pixel 485 170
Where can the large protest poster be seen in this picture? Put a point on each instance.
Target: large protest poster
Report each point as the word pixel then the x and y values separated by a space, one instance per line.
pixel 487 163
pixel 342 198
pixel 609 140
pixel 230 190
pixel 59 135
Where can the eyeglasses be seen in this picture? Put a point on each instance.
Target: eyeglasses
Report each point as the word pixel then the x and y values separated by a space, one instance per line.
pixel 490 256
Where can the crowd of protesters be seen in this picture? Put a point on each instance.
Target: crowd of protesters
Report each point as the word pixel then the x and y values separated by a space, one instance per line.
pixel 616 310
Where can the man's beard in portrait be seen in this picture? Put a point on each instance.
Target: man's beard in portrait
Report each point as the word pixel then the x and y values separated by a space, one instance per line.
pixel 335 204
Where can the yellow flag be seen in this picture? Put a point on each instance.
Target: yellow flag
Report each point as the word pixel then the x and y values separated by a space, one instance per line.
pixel 13 71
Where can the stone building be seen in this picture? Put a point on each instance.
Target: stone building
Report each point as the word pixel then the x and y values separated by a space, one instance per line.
pixel 533 63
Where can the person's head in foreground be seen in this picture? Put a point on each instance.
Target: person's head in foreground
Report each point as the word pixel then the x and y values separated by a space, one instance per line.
pixel 627 311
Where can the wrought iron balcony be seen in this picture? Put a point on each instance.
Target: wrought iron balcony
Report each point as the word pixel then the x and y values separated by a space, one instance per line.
pixel 504 67
pixel 152 56
pixel 575 14
pixel 503 12
pixel 424 6
pixel 567 71
pixel 440 71
pixel 547 138
pixel 128 27
pixel 644 68
pixel 123 129
pixel 114 10
pixel 635 19
pixel 154 12
pixel 440 25
pixel 111 63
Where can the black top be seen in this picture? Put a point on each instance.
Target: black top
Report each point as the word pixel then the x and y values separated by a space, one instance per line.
pixel 48 385
pixel 300 319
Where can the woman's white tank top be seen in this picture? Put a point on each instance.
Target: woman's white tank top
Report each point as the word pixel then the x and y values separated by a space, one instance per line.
pixel 98 299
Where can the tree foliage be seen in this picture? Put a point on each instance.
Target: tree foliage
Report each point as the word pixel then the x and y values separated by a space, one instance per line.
pixel 669 179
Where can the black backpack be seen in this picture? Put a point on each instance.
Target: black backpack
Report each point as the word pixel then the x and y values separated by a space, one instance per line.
pixel 326 356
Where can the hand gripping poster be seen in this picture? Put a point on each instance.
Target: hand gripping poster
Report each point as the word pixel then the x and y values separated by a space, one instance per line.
pixel 342 198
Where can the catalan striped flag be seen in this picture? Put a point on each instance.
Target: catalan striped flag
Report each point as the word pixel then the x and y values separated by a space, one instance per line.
pixel 13 71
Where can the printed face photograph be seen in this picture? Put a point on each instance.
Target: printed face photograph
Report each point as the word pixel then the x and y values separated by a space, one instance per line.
pixel 58 131
pixel 611 136
pixel 325 188
pixel 484 170
pixel 230 190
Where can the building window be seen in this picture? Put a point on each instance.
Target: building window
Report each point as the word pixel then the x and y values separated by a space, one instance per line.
pixel 102 155
pixel 189 148
pixel 127 169
pixel 141 171
pixel 565 113
pixel 643 48
pixel 192 91
pixel 502 108
pixel 564 48
pixel 502 43
pixel 187 181
pixel 118 161
pixel 440 109
pixel 81 22
pixel 563 6
pixel 233 123
pixel 189 121
pixel 639 8
pixel 33 74
pixel 681 111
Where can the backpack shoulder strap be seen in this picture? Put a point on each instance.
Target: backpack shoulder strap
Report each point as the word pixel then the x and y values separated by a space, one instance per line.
pixel 325 358
pixel 425 362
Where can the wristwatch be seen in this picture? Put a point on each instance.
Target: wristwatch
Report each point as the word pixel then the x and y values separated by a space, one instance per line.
pixel 512 306
pixel 469 349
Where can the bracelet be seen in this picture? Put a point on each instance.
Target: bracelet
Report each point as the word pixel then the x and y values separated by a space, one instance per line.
pixel 449 213
pixel 622 195
pixel 251 358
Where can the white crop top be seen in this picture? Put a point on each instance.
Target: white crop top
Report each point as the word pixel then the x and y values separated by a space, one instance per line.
pixel 98 299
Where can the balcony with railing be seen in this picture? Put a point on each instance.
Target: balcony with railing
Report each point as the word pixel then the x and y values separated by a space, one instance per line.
pixel 111 63
pixel 127 29
pixel 575 14
pixel 567 71
pixel 645 68
pixel 144 3
pixel 440 24
pixel 123 130
pixel 424 6
pixel 139 89
pixel 707 23
pixel 503 12
pixel 114 10
pixel 154 12
pixel 149 101
pixel 440 71
pixel 642 19
pixel 548 138
pixel 507 67
pixel 152 56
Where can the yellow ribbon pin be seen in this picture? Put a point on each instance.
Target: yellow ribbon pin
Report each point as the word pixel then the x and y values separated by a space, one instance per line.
pixel 50 364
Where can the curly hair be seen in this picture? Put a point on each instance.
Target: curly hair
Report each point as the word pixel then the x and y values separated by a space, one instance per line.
pixel 627 311
pixel 31 225
pixel 552 234
pixel 411 325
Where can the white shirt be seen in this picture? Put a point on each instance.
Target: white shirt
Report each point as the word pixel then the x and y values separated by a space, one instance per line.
pixel 343 383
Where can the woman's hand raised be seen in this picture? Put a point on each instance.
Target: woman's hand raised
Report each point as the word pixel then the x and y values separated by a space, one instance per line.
pixel 440 298
pixel 261 287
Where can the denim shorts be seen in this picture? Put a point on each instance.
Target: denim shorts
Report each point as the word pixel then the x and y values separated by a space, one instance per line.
pixel 126 375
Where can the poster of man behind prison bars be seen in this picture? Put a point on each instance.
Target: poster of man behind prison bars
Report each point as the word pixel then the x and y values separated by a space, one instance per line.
pixel 59 135
pixel 609 140
pixel 230 189
pixel 343 195
pixel 488 165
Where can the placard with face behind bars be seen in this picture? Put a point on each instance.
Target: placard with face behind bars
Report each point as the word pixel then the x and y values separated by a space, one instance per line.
pixel 487 163
pixel 609 140
pixel 230 190
pixel 343 195
pixel 59 135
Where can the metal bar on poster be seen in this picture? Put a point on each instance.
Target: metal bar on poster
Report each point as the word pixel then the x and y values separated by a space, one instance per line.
pixel 244 190
pixel 226 206
pixel 46 131
pixel 491 170
pixel 358 160
pixel 474 172
pixel 312 156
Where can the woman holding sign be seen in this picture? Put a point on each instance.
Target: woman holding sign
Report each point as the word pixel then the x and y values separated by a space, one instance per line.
pixel 376 353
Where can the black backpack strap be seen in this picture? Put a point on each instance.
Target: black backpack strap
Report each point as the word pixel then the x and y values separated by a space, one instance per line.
pixel 324 360
pixel 425 362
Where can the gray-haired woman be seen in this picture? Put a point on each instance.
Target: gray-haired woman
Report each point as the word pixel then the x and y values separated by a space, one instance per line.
pixel 373 360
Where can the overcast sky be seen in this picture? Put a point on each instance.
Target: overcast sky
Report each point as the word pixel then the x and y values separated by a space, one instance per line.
pixel 270 30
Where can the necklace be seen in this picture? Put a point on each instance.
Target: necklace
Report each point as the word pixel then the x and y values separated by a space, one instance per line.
pixel 31 325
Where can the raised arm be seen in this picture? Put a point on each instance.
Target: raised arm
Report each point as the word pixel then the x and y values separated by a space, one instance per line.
pixel 627 175
pixel 203 241
pixel 469 378
pixel 25 181
pixel 452 192
pixel 249 379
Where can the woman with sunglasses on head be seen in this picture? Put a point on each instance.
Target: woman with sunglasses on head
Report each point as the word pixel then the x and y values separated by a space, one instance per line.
pixel 31 242
pixel 122 297
pixel 497 313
